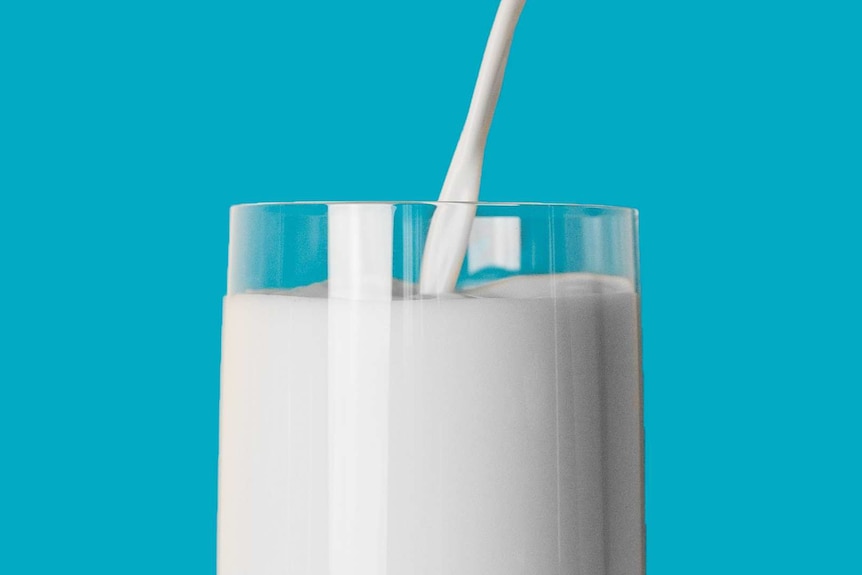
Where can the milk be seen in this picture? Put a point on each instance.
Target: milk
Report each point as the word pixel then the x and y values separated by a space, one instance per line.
pixel 495 431
pixel 447 239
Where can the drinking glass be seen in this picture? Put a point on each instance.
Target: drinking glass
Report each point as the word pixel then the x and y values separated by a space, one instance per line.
pixel 369 429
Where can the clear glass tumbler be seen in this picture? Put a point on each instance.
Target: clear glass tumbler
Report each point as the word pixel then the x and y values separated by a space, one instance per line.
pixel 366 429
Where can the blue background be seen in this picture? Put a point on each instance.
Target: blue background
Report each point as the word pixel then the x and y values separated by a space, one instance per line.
pixel 128 128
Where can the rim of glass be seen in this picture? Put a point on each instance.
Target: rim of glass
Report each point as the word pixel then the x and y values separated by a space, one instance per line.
pixel 602 207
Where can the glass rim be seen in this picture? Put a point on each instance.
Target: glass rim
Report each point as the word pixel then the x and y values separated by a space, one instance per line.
pixel 478 204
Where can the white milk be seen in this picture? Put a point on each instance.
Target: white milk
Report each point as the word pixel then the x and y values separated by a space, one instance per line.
pixel 497 433
pixel 447 239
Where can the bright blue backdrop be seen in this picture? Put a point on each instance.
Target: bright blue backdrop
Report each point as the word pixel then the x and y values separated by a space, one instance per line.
pixel 128 128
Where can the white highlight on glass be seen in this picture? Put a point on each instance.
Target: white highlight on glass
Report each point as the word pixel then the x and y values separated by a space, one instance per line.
pixel 360 287
pixel 495 242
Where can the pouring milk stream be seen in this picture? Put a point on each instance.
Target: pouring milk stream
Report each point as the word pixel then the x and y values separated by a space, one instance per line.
pixel 450 226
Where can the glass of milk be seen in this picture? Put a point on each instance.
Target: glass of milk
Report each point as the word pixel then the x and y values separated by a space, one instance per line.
pixel 366 429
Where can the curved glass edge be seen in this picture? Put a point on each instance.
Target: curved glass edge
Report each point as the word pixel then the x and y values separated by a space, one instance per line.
pixel 433 203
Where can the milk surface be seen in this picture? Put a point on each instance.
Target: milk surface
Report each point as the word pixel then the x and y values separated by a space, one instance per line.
pixel 493 432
